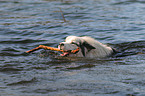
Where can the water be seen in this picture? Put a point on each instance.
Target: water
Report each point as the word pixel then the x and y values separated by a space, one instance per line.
pixel 25 24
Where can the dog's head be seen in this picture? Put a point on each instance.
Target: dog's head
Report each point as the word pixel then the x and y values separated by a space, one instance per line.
pixel 72 43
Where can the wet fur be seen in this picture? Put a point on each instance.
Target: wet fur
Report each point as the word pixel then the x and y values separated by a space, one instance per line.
pixel 89 47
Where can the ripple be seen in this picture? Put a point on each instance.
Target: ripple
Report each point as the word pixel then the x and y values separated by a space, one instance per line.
pixel 23 82
pixel 9 69
pixel 81 67
pixel 19 41
pixel 25 24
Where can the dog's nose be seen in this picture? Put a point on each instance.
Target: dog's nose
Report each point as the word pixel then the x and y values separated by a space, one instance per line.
pixel 61 46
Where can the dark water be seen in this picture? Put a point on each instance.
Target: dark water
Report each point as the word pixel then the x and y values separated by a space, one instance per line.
pixel 25 24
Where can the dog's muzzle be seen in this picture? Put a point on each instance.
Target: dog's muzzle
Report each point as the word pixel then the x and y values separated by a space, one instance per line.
pixel 68 49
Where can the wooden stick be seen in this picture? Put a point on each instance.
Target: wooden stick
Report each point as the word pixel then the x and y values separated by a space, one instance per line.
pixel 32 50
pixel 62 15
pixel 75 51
pixel 44 47
pixel 51 48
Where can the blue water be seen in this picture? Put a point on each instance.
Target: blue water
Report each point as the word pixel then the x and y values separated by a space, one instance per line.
pixel 25 24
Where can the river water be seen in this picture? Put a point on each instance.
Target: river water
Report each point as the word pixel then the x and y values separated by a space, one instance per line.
pixel 25 24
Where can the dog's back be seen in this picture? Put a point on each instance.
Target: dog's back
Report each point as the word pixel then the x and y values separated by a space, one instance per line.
pixel 101 50
pixel 89 47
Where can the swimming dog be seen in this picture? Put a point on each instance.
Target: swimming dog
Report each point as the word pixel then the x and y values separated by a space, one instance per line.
pixel 89 47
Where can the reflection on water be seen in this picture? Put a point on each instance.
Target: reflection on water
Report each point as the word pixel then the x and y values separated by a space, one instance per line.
pixel 26 24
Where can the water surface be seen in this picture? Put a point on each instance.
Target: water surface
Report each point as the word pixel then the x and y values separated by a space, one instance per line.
pixel 25 24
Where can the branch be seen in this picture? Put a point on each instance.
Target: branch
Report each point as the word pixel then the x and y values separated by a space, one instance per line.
pixel 62 15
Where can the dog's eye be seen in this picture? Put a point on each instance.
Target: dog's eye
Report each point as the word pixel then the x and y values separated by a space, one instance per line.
pixel 75 43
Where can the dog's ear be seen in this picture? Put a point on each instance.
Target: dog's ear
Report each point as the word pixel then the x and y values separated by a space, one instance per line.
pixel 83 45
pixel 88 46
pixel 82 50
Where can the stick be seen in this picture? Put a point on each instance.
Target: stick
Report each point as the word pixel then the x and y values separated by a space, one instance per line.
pixel 44 47
pixel 32 50
pixel 62 15
pixel 75 51
pixel 51 48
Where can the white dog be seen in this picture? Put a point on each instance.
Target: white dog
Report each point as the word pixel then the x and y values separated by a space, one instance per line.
pixel 89 47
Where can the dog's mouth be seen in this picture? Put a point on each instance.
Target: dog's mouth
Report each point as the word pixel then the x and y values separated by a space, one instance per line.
pixel 65 54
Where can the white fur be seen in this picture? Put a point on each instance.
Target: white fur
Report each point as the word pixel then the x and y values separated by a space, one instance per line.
pixel 100 50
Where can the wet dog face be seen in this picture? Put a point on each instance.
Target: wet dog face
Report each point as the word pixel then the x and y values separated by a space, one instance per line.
pixel 66 47
pixel 72 43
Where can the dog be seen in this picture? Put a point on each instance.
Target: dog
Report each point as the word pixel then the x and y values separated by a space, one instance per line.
pixel 89 47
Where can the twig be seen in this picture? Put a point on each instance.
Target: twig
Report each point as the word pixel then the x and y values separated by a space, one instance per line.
pixel 62 15
pixel 51 48
pixel 44 47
